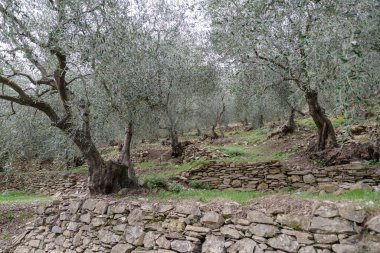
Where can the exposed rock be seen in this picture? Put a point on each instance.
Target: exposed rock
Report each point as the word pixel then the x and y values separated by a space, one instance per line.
pixel 197 229
pixel 262 187
pixel 89 204
pixel 294 221
pixel 374 224
pixel 330 226
pixel 360 186
pixel 307 249
pixel 302 237
pixel 178 225
pixel 230 232
pixel 22 249
pixel 263 230
pixel 136 217
pixel 119 208
pixel 134 235
pixel 162 242
pixel 325 239
pixel 284 242
pixel 183 246
pixel 259 217
pixel 327 211
pixel 212 220
pixel 352 212
pixel 342 248
pixel 34 243
pixel 309 179
pixel 328 187
pixel 213 244
pixel 108 237
pixel 122 248
pixel 150 239
pixel 245 245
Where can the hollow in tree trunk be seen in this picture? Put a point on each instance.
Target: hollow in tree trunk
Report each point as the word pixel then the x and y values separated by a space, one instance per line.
pixel 177 148
pixel 326 133
pixel 125 155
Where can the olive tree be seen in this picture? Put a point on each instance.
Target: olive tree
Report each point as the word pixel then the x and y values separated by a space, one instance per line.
pixel 299 42
pixel 43 67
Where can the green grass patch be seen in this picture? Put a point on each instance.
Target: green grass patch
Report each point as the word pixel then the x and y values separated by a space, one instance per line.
pixel 231 151
pixel 79 169
pixel 153 181
pixel 254 133
pixel 171 170
pixel 279 156
pixel 306 122
pixel 355 195
pixel 210 195
pixel 5 236
pixel 109 152
pixel 16 196
pixel 338 121
pixel 335 121
pixel 146 165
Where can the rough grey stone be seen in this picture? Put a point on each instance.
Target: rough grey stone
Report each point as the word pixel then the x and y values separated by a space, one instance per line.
pixel 259 217
pixel 245 245
pixel 183 246
pixel 134 235
pixel 263 230
pixel 331 226
pixel 212 220
pixel 374 224
pixel 122 248
pixel 352 212
pixel 345 248
pixel 213 244
pixel 230 232
pixel 284 242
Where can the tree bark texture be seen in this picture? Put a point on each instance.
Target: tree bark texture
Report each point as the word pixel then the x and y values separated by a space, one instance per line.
pixel 326 133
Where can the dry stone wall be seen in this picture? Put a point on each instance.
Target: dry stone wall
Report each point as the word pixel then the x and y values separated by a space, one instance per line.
pixel 48 183
pixel 274 176
pixel 94 225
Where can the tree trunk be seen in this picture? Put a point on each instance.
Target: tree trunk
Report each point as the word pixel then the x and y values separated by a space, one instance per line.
pixel 291 122
pixel 125 155
pixel 261 121
pixel 214 135
pixel 177 148
pixel 326 133
pixel 104 177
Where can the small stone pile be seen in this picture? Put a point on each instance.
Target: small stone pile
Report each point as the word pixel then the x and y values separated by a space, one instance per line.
pixel 96 225
pixel 47 183
pixel 273 176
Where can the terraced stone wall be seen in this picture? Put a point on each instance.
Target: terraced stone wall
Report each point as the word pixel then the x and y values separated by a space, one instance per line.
pixel 274 176
pixel 108 226
pixel 48 183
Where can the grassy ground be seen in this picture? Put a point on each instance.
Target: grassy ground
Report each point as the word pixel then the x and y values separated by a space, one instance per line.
pixel 369 199
pixel 18 196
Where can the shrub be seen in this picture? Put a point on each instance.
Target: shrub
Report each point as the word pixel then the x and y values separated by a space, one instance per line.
pixel 176 188
pixel 153 182
pixel 198 185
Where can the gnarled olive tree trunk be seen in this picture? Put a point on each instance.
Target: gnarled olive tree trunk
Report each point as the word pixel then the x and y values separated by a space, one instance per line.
pixel 326 133
pixel 177 148
pixel 104 177
pixel 125 155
